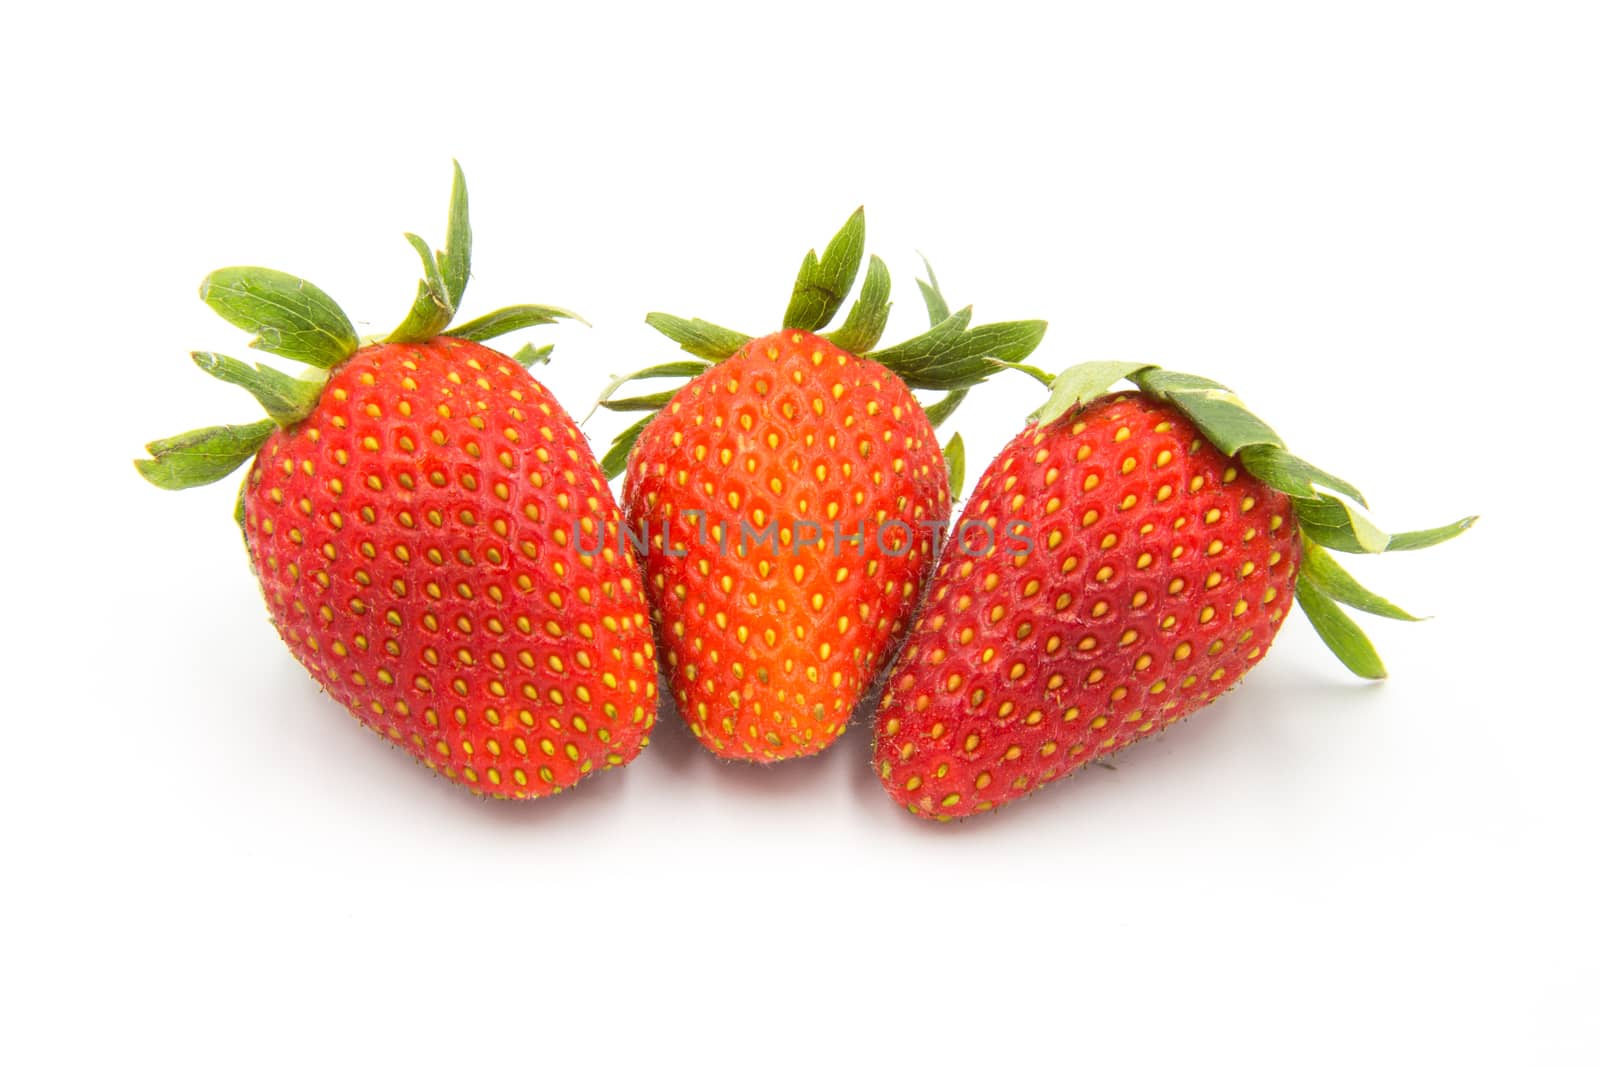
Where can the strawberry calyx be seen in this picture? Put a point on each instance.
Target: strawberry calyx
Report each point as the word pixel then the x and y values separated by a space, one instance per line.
pixel 1330 511
pixel 951 357
pixel 294 319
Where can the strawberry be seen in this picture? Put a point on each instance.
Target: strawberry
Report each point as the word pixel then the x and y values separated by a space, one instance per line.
pixel 415 517
pixel 790 498
pixel 1122 562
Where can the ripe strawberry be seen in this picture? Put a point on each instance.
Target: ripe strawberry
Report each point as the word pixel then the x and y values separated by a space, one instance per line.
pixel 415 519
pixel 790 498
pixel 1122 562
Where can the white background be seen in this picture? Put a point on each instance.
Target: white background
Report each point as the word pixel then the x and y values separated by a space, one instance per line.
pixel 1377 221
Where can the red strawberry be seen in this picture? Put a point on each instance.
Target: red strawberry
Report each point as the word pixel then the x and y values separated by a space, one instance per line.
pixel 415 522
pixel 771 641
pixel 1121 563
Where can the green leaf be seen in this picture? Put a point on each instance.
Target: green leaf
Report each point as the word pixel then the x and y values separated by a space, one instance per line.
pixel 924 349
pixel 506 320
pixel 938 309
pixel 1081 383
pixel 681 369
pixel 1006 342
pixel 1340 633
pixel 1219 414
pixel 1290 474
pixel 530 356
pixel 950 356
pixel 615 461
pixel 455 262
pixel 444 273
pixel 955 462
pixel 1321 569
pixel 432 309
pixel 941 410
pixel 1159 380
pixel 286 399
pixel 822 285
pixel 289 316
pixel 1334 523
pixel 869 314
pixel 698 337
pixel 650 402
pixel 1415 539
pixel 201 457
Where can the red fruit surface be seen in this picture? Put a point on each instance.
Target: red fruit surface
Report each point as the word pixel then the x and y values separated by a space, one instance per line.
pixel 769 650
pixel 1160 572
pixel 414 541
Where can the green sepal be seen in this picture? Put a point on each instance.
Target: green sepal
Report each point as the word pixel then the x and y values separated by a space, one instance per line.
pixel 923 350
pixel 1211 406
pixel 943 408
pixel 615 461
pixel 455 262
pixel 973 358
pixel 649 402
pixel 201 457
pixel 823 284
pixel 698 337
pixel 530 356
pixel 951 356
pixel 680 369
pixel 432 309
pixel 1415 539
pixel 1332 522
pixel 938 308
pixel 1081 383
pixel 286 399
pixel 289 316
pixel 507 320
pixel 1323 571
pixel 1340 633
pixel 683 368
pixel 444 273
pixel 1291 475
pixel 1326 521
pixel 955 463
pixel 869 314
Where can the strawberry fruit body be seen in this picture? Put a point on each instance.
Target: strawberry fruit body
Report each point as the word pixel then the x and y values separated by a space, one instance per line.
pixel 790 499
pixel 1114 571
pixel 432 534
pixel 415 540
pixel 748 484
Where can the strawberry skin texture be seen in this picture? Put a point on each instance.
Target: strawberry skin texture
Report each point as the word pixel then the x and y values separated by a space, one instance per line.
pixel 768 653
pixel 1160 573
pixel 414 541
